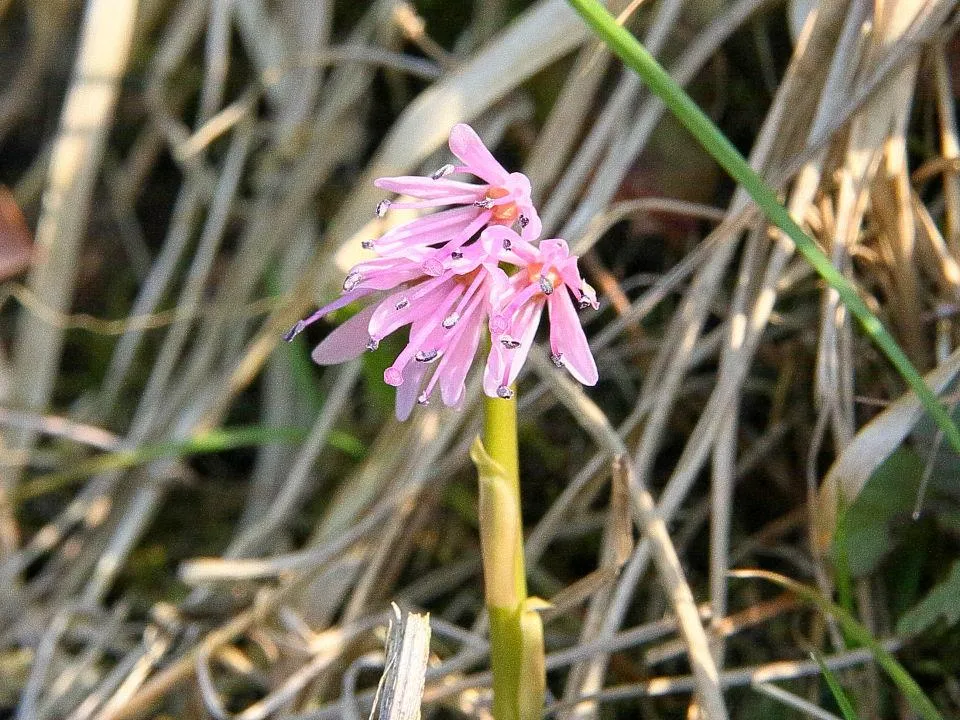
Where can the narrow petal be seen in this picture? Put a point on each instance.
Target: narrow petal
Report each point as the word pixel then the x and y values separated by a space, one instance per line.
pixel 382 274
pixel 429 189
pixel 460 354
pixel 568 340
pixel 533 228
pixel 425 334
pixel 433 221
pixel 345 342
pixel 492 372
pixel 467 145
pixel 518 185
pixel 340 302
pixel 409 390
pixel 503 243
pixel 555 250
pixel 526 324
pixel 455 242
pixel 504 364
pixel 407 306
pixel 428 230
pixel 461 199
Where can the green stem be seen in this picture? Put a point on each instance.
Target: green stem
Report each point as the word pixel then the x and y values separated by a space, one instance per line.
pixel 500 440
pixel 715 142
pixel 506 648
pixel 514 650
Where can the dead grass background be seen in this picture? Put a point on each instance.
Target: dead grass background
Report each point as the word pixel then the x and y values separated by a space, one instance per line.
pixel 197 174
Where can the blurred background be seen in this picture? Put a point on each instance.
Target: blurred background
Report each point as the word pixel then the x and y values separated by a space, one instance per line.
pixel 196 521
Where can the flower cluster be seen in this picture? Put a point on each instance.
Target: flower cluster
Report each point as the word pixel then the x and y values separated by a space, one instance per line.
pixel 445 275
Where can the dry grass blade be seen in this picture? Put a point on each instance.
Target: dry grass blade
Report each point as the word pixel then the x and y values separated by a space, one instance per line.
pixel 871 446
pixel 650 523
pixel 408 648
pixel 75 161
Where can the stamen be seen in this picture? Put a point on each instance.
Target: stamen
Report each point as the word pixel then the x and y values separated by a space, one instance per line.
pixel 509 343
pixel 432 267
pixel 456 255
pixel 507 244
pixel 352 280
pixel 426 356
pixel 504 392
pixel 524 221
pixel 402 303
pixel 450 320
pixel 486 203
pixel 367 244
pixel 382 207
pixel 290 334
pixel 423 399
pixel 557 359
pixel 442 171
pixel 545 285
pixel 588 296
pixel 373 344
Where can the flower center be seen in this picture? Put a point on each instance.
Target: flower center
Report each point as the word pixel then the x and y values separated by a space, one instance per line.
pixel 545 277
pixel 506 213
pixel 467 278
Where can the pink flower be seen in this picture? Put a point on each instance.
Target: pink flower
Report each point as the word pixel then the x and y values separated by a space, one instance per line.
pixel 446 315
pixel 503 200
pixel 547 275
pixel 443 275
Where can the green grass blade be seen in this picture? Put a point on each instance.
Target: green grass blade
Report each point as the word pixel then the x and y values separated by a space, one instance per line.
pixel 836 689
pixel 624 44
pixel 859 635
pixel 207 442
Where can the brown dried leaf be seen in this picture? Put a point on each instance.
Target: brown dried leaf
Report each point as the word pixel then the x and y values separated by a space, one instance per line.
pixel 16 240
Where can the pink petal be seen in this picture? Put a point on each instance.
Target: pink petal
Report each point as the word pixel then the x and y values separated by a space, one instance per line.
pixel 496 240
pixel 428 188
pixel 492 372
pixel 409 390
pixel 444 218
pixel 555 250
pixel 426 332
pixel 340 302
pixel 420 300
pixel 504 365
pixel 518 185
pixel 383 273
pixel 345 342
pixel 462 199
pixel 428 230
pixel 568 339
pixel 467 145
pixel 460 355
pixel 533 227
pixel 455 242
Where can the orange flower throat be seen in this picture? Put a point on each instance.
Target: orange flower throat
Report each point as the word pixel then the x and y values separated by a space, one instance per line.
pixel 506 213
